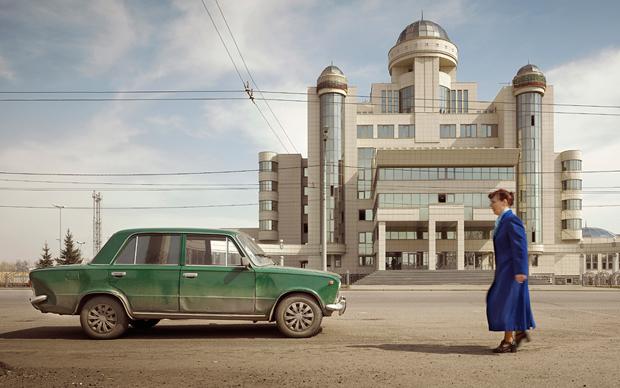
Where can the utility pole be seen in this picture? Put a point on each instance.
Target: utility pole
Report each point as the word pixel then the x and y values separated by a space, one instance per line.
pixel 96 223
pixel 59 207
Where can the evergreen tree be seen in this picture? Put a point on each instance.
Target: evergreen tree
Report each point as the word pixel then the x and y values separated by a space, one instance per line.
pixel 46 258
pixel 71 254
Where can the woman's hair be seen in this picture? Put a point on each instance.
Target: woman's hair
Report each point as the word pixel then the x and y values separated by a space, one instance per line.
pixel 503 194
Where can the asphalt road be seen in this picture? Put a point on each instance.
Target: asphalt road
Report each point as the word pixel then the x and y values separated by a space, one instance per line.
pixel 395 338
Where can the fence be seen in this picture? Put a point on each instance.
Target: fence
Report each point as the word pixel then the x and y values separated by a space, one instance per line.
pixel 601 279
pixel 14 279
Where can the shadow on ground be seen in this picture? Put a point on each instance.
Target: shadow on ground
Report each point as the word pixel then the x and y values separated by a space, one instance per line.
pixel 431 348
pixel 205 331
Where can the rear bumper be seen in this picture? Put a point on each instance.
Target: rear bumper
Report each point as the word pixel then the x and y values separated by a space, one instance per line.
pixel 340 306
pixel 37 300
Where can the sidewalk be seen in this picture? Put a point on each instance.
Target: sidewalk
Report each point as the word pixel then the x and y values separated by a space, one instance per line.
pixel 467 287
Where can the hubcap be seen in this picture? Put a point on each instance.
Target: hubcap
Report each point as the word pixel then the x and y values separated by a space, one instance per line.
pixel 102 318
pixel 298 316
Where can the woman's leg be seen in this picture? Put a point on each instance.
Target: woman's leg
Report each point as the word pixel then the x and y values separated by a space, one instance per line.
pixel 508 337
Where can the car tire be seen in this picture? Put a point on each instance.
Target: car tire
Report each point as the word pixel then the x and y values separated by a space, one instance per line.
pixel 299 316
pixel 143 324
pixel 103 317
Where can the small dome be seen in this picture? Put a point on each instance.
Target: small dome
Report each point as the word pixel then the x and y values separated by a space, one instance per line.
pixel 422 29
pixel 331 69
pixel 596 233
pixel 529 68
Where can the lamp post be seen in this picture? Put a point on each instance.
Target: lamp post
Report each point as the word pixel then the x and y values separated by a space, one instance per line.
pixel 59 207
pixel 325 137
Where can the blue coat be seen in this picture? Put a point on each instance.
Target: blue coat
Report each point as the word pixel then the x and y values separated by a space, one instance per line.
pixel 508 301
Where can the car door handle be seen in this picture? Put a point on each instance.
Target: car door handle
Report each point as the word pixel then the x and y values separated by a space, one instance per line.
pixel 118 274
pixel 190 275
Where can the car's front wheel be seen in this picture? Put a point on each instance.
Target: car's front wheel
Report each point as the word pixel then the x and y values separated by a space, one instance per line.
pixel 143 324
pixel 103 317
pixel 299 316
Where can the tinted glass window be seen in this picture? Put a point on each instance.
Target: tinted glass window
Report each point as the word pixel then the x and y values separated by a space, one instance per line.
pixel 211 250
pixel 158 249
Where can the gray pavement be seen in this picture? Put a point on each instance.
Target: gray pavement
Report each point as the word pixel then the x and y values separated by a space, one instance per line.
pixel 398 338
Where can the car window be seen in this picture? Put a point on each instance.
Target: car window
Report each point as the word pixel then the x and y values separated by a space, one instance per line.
pixel 211 250
pixel 151 249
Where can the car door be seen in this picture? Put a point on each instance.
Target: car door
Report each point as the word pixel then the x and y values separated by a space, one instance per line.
pixel 213 281
pixel 146 270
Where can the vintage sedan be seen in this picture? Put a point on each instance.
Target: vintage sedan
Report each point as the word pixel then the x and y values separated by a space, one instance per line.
pixel 142 276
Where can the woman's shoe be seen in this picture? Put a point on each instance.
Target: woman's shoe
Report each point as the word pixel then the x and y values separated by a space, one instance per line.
pixel 521 336
pixel 506 347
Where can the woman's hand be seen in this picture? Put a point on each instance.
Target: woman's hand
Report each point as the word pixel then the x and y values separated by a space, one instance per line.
pixel 520 278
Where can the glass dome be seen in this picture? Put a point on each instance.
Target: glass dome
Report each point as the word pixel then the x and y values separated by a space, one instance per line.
pixel 596 233
pixel 422 29
pixel 529 68
pixel 331 70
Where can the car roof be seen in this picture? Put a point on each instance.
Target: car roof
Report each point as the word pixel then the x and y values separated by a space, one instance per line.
pixel 177 230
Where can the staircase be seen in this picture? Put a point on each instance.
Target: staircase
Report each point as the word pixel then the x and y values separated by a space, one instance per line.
pixel 425 277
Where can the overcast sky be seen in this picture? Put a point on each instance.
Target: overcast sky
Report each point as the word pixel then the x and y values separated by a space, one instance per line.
pixel 172 45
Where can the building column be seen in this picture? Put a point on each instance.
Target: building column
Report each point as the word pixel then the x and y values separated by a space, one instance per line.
pixel 615 262
pixel 381 247
pixel 599 258
pixel 460 245
pixel 432 249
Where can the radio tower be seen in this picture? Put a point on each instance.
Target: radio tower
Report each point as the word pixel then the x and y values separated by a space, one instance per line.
pixel 96 222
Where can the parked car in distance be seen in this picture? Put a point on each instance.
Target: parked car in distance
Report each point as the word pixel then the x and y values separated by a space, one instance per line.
pixel 141 276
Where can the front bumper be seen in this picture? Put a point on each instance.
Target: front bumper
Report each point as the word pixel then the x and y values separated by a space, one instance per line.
pixel 37 300
pixel 340 305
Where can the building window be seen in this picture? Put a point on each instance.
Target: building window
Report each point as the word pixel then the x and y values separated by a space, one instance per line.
pixel 592 262
pixel 268 205
pixel 487 130
pixel 407 100
pixel 571 204
pixel 533 260
pixel 445 173
pixel 305 228
pixel 338 262
pixel 366 261
pixel 305 209
pixel 306 172
pixel 571 184
pixel 268 186
pixel 269 225
pixel 447 131
pixel 267 166
pixel 571 165
pixel 385 131
pixel 468 130
pixel 365 215
pixel 364 173
pixel 572 224
pixel 364 132
pixel 406 131
pixel 306 190
pixel 365 243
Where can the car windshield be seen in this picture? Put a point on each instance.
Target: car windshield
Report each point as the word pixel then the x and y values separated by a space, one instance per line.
pixel 258 256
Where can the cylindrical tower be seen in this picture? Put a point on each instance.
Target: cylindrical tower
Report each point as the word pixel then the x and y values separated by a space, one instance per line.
pixel 332 90
pixel 268 196
pixel 529 88
pixel 571 195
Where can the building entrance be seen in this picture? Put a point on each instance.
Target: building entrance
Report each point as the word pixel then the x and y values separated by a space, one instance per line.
pixel 479 261
pixel 406 260
pixel 446 260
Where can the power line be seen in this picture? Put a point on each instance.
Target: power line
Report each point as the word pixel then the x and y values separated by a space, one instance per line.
pixel 240 77
pixel 252 78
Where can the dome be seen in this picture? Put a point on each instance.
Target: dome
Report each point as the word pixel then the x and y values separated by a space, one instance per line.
pixel 529 68
pixel 331 69
pixel 596 233
pixel 422 29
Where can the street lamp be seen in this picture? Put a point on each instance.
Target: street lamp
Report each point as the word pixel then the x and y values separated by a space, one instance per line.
pixel 325 137
pixel 59 207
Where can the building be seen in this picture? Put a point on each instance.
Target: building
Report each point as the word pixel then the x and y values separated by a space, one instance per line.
pixel 408 171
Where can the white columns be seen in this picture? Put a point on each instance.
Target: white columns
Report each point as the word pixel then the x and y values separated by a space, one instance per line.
pixel 615 262
pixel 599 258
pixel 381 247
pixel 460 245
pixel 432 249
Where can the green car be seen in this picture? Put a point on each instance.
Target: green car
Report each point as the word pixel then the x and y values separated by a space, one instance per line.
pixel 142 276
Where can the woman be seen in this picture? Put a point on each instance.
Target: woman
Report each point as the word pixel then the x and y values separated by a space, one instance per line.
pixel 508 299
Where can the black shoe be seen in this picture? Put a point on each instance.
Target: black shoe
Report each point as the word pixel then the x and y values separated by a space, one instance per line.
pixel 521 336
pixel 506 347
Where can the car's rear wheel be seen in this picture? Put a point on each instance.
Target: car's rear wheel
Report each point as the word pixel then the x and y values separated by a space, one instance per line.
pixel 103 317
pixel 299 316
pixel 143 324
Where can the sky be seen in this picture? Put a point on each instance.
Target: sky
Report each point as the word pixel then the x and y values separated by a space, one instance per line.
pixel 116 45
